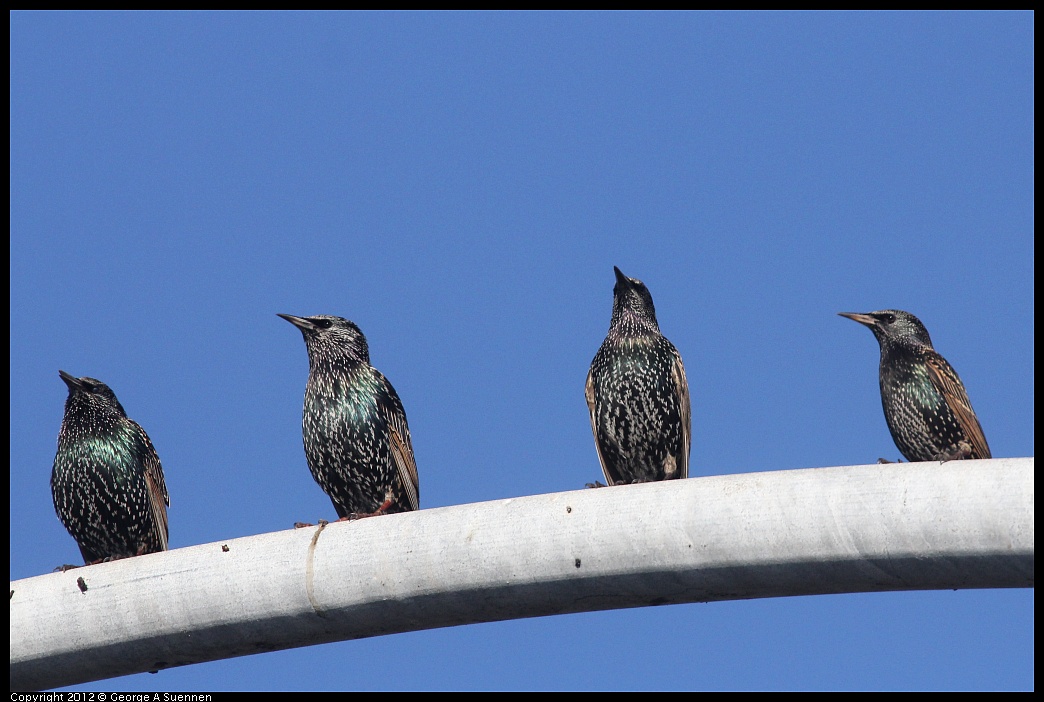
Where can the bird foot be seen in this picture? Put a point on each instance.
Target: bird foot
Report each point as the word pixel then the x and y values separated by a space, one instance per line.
pixel 962 452
pixel 383 509
pixel 885 460
pixel 595 484
pixel 108 559
pixel 64 567
pixel 361 515
pixel 305 525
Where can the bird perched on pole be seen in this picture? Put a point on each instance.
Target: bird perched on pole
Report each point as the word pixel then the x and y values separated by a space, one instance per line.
pixel 638 394
pixel 107 482
pixel 356 438
pixel 925 404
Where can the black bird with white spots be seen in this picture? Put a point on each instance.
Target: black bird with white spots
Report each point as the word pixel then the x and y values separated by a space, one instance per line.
pixel 356 438
pixel 107 480
pixel 925 404
pixel 638 395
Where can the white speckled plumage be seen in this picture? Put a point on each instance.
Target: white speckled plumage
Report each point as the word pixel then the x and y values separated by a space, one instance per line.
pixel 107 481
pixel 638 395
pixel 925 404
pixel 354 428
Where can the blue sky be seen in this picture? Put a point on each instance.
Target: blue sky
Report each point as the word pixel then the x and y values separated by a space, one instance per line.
pixel 461 186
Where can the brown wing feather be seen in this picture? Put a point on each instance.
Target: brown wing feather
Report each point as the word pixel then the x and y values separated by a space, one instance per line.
pixel 402 455
pixel 949 385
pixel 681 386
pixel 589 393
pixel 401 448
pixel 158 496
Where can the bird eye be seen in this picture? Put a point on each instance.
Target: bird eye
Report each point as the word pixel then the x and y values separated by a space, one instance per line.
pixel 323 323
pixel 890 318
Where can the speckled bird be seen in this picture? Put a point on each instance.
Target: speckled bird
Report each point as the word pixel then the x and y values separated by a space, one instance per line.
pixel 107 480
pixel 925 404
pixel 356 438
pixel 638 394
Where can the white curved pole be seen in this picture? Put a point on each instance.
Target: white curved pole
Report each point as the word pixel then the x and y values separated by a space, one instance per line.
pixel 961 524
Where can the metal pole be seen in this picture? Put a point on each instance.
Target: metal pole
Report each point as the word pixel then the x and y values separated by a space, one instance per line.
pixel 961 524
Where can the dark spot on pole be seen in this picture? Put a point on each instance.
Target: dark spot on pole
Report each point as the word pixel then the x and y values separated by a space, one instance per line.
pixel 568 510
pixel 82 584
pixel 577 563
pixel 224 547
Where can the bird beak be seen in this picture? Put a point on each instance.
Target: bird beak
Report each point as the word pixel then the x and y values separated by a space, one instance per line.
pixel 300 322
pixel 71 380
pixel 864 319
pixel 621 279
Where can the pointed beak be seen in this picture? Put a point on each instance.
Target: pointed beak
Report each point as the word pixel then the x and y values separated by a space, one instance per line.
pixel 621 279
pixel 301 323
pixel 863 319
pixel 71 380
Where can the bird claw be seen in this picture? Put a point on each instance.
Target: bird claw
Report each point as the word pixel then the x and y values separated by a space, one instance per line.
pixel 595 484
pixel 383 509
pixel 962 452
pixel 108 559
pixel 354 516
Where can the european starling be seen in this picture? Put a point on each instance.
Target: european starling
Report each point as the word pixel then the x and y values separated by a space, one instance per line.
pixel 107 481
pixel 925 405
pixel 356 438
pixel 638 394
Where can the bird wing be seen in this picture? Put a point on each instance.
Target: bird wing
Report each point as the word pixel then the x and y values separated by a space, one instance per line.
pixel 159 499
pixel 589 393
pixel 681 389
pixel 949 385
pixel 401 448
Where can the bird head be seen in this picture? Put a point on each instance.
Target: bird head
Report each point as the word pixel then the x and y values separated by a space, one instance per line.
pixel 893 327
pixel 91 392
pixel 632 301
pixel 327 336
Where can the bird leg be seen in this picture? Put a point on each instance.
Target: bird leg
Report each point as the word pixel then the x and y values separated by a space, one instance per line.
pixel 363 515
pixel 595 484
